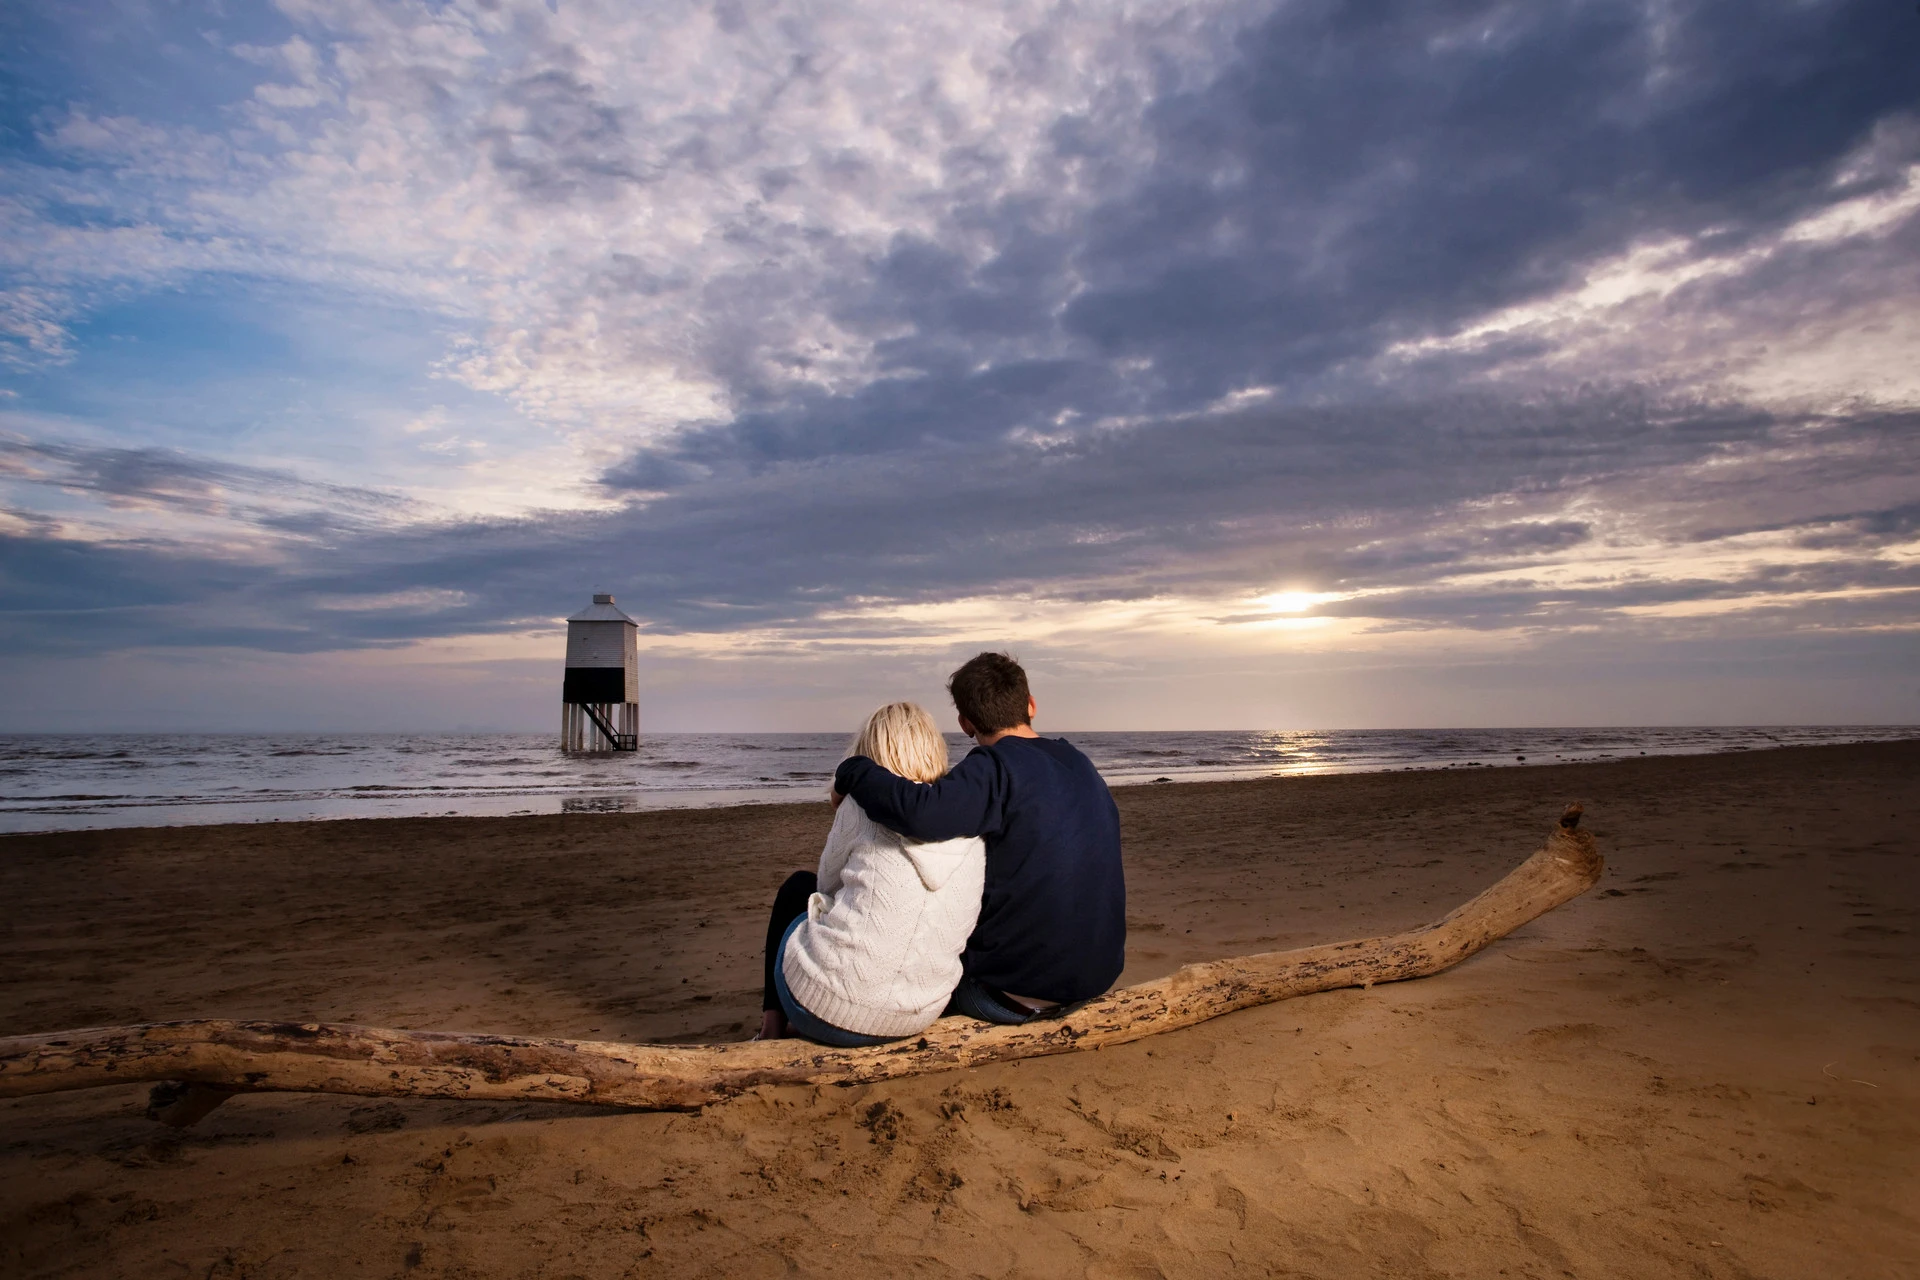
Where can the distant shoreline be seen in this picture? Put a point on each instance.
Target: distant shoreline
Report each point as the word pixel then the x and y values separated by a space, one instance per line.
pixel 255 812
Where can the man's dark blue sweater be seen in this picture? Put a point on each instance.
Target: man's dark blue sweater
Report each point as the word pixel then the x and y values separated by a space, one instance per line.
pixel 1053 918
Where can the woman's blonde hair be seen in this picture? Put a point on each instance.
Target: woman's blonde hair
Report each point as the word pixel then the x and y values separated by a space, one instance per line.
pixel 903 738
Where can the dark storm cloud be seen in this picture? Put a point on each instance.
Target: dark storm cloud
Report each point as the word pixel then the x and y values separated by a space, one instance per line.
pixel 565 142
pixel 1852 529
pixel 167 478
pixel 1368 173
pixel 66 597
pixel 45 575
pixel 1875 592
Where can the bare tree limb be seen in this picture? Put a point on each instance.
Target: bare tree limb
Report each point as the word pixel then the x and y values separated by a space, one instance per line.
pixel 214 1058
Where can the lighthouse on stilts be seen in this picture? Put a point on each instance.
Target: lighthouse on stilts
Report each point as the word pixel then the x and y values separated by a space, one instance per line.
pixel 600 701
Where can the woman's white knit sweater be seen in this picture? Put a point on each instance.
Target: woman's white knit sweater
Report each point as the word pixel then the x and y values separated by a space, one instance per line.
pixel 879 951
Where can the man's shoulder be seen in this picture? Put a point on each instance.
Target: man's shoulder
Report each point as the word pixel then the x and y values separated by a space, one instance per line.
pixel 1049 755
pixel 1059 748
pixel 979 760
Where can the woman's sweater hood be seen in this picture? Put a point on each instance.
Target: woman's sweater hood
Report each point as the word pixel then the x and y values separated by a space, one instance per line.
pixel 937 861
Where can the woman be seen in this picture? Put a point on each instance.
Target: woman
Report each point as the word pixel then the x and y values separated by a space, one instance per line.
pixel 867 949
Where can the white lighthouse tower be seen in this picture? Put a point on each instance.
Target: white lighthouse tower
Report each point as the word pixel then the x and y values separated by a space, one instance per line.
pixel 600 700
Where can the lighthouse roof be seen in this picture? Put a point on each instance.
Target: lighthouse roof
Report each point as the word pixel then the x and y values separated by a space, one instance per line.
pixel 602 610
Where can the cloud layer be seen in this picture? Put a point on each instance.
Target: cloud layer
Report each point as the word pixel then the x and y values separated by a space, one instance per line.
pixel 1147 335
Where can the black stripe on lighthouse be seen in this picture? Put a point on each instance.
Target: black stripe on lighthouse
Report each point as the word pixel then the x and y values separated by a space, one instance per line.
pixel 594 684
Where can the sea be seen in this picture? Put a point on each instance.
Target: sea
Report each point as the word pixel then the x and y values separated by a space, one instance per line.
pixel 53 782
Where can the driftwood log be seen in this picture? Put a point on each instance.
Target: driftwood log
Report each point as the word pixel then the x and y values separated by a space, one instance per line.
pixel 205 1062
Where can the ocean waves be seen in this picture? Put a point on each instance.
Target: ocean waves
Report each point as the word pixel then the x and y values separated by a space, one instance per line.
pixel 66 781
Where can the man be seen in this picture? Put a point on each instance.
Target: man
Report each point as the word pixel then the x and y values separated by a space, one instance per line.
pixel 1053 916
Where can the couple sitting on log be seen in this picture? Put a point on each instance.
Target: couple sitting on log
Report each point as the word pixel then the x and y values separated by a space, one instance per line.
pixel 993 890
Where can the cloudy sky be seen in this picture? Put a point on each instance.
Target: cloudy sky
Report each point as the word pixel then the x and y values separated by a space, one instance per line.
pixel 1280 364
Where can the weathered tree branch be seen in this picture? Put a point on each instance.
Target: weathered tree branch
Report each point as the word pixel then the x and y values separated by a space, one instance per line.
pixel 214 1058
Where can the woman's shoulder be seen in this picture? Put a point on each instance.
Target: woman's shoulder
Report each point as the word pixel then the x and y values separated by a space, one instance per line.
pixel 852 827
pixel 853 830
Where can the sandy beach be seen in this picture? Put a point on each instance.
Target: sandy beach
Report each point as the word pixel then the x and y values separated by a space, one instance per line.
pixel 1709 1066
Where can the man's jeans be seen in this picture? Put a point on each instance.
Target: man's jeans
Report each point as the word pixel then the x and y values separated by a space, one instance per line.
pixel 978 1000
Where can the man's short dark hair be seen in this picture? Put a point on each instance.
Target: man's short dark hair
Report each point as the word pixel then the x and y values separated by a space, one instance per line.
pixel 990 692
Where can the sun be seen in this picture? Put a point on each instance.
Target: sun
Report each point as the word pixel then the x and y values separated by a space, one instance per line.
pixel 1295 601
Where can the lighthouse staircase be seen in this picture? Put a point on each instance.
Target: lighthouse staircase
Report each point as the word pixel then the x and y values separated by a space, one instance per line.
pixel 619 741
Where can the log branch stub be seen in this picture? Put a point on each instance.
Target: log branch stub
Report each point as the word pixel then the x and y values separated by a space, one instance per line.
pixel 178 1104
pixel 212 1059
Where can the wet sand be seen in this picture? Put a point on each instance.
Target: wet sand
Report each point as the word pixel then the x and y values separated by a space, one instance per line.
pixel 1709 1066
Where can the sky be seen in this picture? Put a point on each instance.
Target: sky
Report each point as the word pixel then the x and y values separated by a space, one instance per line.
pixel 1293 364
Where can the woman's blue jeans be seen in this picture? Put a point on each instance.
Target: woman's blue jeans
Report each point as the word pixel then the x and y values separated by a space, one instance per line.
pixel 804 1021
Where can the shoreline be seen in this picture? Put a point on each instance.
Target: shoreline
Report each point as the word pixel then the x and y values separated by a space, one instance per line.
pixel 344 808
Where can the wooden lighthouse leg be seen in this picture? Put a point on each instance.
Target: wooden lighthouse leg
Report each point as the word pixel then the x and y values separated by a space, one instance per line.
pixel 327 1058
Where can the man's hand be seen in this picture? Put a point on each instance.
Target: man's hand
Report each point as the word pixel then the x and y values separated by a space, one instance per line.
pixel 834 797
